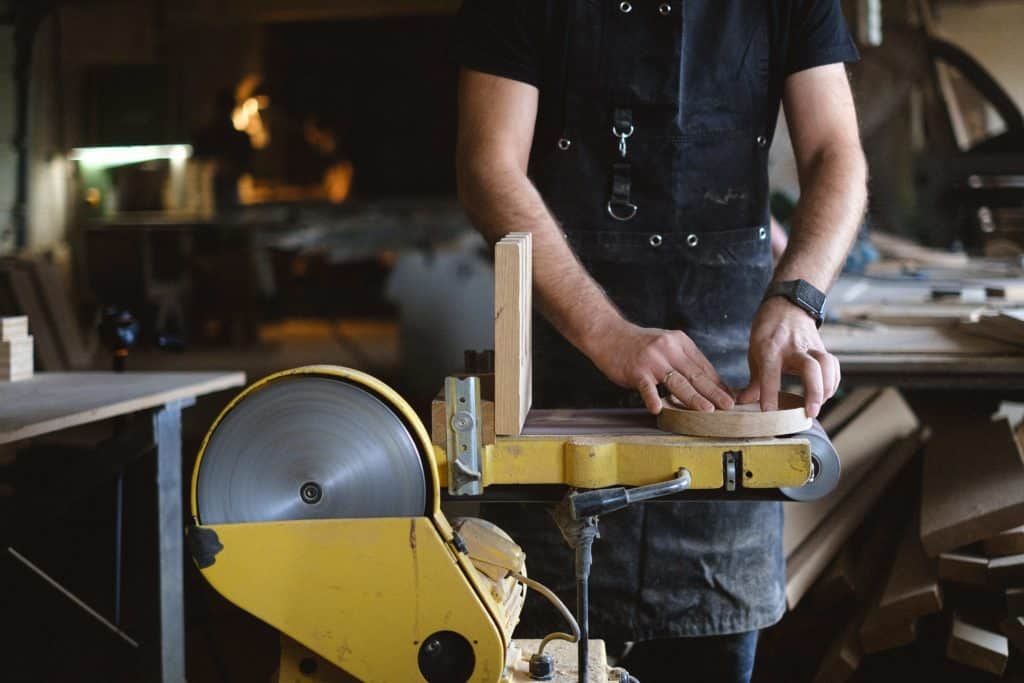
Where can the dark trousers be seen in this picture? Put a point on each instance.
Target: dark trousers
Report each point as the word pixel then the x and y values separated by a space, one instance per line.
pixel 709 659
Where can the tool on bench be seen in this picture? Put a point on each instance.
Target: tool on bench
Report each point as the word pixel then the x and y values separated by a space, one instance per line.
pixel 316 506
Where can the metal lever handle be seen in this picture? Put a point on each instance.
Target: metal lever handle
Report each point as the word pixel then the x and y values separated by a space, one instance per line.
pixel 583 504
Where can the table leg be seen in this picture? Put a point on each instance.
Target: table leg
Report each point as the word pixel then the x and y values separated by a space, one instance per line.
pixel 170 530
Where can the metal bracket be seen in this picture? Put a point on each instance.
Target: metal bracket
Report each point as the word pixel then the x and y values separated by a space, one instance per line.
pixel 731 462
pixel 465 435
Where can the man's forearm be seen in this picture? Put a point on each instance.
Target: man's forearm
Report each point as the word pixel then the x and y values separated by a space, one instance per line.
pixel 827 217
pixel 503 200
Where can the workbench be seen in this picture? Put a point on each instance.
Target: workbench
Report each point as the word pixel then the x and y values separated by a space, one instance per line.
pixel 52 402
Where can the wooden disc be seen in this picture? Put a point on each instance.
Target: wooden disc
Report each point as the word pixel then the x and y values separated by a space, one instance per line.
pixel 742 422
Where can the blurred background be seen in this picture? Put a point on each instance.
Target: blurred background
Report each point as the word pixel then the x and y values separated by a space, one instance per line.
pixel 260 184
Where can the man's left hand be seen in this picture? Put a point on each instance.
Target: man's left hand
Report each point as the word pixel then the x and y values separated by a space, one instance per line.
pixel 784 339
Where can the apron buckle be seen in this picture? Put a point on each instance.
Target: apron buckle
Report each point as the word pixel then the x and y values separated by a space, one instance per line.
pixel 630 210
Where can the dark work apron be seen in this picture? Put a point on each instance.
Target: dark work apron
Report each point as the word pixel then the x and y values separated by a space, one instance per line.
pixel 653 158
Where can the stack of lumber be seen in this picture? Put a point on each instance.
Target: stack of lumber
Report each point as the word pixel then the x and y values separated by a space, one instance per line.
pixel 951 593
pixel 16 361
pixel 1005 326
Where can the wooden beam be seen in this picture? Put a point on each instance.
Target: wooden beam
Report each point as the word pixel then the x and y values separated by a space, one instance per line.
pixel 972 483
pixel 977 647
pixel 513 311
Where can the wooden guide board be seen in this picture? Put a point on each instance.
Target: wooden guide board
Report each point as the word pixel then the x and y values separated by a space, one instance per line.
pixel 513 352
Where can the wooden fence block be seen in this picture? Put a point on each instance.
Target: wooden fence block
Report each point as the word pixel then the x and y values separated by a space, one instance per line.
pixel 13 327
pixel 1009 542
pixel 513 352
pixel 1006 571
pixel 860 443
pixel 973 484
pixel 966 569
pixel 977 647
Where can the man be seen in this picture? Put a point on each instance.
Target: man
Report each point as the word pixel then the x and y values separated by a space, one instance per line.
pixel 631 139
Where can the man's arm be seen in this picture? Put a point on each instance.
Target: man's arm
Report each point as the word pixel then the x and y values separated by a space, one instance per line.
pixel 496 121
pixel 833 183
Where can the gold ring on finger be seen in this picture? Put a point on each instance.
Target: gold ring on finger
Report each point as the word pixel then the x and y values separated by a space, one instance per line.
pixel 667 375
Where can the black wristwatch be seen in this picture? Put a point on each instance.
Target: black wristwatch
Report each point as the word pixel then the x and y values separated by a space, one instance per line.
pixel 803 294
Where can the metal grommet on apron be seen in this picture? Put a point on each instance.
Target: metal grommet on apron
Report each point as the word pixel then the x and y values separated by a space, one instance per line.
pixel 564 143
pixel 655 240
pixel 762 141
pixel 692 240
pixel 762 232
pixel 664 9
pixel 625 7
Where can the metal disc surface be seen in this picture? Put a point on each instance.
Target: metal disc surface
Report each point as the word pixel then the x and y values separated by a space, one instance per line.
pixel 310 448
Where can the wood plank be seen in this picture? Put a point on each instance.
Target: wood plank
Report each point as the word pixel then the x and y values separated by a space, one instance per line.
pixel 847 408
pixel 879 637
pixel 969 570
pixel 859 444
pixel 52 401
pixel 808 561
pixel 977 647
pixel 16 359
pixel 1015 602
pixel 973 484
pixel 13 327
pixel 910 339
pixel 54 296
pixel 838 584
pixel 930 313
pixel 1006 571
pixel 1009 542
pixel 843 656
pixel 513 311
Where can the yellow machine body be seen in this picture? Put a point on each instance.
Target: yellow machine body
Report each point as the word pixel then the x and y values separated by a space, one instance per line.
pixel 363 594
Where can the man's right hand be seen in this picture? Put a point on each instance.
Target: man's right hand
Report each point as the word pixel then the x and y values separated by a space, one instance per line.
pixel 642 357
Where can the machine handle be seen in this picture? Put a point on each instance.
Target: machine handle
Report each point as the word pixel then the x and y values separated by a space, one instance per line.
pixel 583 504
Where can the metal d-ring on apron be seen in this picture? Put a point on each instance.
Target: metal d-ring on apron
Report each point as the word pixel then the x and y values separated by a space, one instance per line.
pixel 619 206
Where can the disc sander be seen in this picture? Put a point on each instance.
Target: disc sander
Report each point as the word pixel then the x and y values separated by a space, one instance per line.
pixel 309 447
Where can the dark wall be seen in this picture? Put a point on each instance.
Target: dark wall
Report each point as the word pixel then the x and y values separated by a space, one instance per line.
pixel 385 86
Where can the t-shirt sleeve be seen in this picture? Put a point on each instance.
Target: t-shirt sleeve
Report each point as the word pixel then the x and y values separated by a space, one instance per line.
pixel 820 36
pixel 499 37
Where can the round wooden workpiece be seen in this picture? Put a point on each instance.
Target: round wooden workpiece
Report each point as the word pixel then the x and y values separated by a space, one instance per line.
pixel 742 422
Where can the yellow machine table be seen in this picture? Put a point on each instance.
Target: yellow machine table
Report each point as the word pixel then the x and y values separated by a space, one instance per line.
pixel 316 507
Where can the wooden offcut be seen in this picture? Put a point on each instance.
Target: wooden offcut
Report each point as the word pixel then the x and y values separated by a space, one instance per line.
pixel 13 327
pixel 1009 542
pixel 741 422
pixel 1006 571
pixel 842 659
pixel 513 363
pixel 973 484
pixel 977 647
pixel 16 360
pixel 1015 602
pixel 911 591
pixel 1013 628
pixel 969 570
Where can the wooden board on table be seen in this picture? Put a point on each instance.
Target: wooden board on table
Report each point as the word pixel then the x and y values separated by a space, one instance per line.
pixel 973 484
pixel 977 647
pixel 805 564
pixel 841 339
pixel 860 443
pixel 52 401
pixel 741 422
pixel 513 311
pixel 911 591
pixel 1009 542
pixel 951 314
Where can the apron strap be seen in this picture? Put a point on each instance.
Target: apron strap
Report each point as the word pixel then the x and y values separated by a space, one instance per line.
pixel 619 206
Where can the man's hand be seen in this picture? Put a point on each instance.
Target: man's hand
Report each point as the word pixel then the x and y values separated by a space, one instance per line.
pixel 784 339
pixel 641 358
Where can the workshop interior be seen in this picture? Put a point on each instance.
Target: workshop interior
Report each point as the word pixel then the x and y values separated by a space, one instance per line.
pixel 261 379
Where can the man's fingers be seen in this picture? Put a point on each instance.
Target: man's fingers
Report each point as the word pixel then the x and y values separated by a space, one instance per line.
pixel 697 357
pixel 814 392
pixel 750 393
pixel 770 379
pixel 649 393
pixel 829 373
pixel 686 394
pixel 709 389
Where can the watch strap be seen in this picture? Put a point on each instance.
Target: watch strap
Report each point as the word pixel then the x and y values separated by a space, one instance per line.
pixel 802 294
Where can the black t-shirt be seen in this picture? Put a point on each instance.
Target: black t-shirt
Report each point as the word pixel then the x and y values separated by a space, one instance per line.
pixel 515 38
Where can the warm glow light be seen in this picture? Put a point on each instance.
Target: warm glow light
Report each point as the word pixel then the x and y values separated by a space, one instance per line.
pixel 133 154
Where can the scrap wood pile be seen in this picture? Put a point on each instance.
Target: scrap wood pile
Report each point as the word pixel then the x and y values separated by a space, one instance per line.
pixel 913 569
